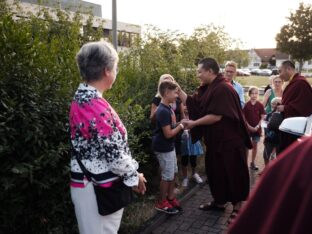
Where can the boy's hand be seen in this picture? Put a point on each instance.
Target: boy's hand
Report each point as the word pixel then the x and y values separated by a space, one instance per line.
pixel 188 124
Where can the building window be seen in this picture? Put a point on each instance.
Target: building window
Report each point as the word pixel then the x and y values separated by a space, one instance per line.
pixel 107 33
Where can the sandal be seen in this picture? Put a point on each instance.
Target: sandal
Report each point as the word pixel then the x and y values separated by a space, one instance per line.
pixel 233 216
pixel 211 206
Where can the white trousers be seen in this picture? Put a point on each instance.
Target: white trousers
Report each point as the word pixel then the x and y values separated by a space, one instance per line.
pixel 89 220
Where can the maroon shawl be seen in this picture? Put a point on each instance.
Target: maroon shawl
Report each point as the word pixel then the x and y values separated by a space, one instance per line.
pixel 218 98
pixel 297 98
pixel 282 201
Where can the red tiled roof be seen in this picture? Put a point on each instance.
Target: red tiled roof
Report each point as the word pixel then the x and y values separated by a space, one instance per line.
pixel 266 54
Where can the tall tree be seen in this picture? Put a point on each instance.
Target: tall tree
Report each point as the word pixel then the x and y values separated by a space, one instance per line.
pixel 295 38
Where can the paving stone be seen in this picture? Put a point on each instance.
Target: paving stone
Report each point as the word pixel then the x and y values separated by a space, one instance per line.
pixel 185 226
pixel 195 221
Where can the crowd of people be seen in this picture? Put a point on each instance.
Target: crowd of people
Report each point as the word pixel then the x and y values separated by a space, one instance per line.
pixel 230 127
pixel 216 115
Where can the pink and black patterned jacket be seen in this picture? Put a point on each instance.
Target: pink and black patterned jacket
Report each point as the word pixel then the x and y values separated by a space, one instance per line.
pixel 99 140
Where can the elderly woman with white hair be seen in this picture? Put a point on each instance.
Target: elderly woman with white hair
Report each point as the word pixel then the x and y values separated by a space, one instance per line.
pixel 100 152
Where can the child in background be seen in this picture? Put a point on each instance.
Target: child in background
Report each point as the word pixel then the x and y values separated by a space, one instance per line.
pixel 254 113
pixel 189 152
pixel 271 136
pixel 164 149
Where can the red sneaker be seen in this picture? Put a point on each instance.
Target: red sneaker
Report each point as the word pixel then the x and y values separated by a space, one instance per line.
pixel 166 207
pixel 174 203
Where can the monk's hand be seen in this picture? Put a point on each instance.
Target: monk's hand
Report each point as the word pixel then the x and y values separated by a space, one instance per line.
pixel 184 122
pixel 189 124
pixel 280 108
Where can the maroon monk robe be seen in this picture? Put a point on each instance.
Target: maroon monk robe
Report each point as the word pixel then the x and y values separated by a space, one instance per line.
pixel 225 140
pixel 297 99
pixel 282 200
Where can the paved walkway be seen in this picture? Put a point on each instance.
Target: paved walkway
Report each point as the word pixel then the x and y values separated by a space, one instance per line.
pixel 192 220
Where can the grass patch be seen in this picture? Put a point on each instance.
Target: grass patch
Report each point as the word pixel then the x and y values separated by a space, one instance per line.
pixel 142 210
pixel 258 81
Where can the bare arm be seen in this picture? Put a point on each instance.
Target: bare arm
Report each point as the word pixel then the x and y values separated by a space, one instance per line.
pixel 262 118
pixel 206 120
pixel 153 111
pixel 169 133
pixel 182 111
pixel 266 97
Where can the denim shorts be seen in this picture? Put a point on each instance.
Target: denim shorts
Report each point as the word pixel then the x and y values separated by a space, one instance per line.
pixel 168 164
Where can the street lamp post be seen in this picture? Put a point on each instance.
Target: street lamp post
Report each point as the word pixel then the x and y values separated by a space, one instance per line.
pixel 114 23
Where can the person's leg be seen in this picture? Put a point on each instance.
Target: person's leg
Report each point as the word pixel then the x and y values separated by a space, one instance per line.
pixel 171 173
pixel 266 156
pixel 164 188
pixel 254 151
pixel 184 162
pixel 171 194
pixel 164 170
pixel 111 222
pixel 168 165
pixel 193 160
pixel 89 220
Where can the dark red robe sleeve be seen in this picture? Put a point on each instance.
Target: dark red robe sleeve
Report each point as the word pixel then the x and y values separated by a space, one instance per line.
pixel 282 201
pixel 297 98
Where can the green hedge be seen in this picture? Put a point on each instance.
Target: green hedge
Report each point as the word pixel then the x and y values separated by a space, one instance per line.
pixel 38 78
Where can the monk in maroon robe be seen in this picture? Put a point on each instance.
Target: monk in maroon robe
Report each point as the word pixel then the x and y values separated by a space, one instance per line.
pixel 296 100
pixel 282 201
pixel 216 115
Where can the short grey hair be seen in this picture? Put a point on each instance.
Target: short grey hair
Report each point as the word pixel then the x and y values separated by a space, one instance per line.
pixel 94 57
pixel 231 64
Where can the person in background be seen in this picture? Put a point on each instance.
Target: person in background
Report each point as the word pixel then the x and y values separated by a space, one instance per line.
pixel 296 100
pixel 163 147
pixel 229 74
pixel 99 140
pixel 215 114
pixel 270 136
pixel 254 114
pixel 190 152
pixel 282 200
pixel 177 105
pixel 275 91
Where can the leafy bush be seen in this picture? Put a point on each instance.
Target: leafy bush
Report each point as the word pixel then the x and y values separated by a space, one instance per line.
pixel 38 78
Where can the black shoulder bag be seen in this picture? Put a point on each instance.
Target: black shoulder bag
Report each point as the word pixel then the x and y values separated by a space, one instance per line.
pixel 111 199
pixel 275 121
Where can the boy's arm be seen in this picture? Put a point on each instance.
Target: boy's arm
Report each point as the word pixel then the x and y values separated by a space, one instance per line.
pixel 169 133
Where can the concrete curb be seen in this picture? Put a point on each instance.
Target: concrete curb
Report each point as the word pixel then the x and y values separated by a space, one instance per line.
pixel 159 218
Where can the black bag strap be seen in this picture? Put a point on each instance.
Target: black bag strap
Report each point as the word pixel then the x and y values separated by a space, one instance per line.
pixel 82 167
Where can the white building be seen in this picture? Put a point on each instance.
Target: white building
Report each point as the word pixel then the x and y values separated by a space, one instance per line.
pixel 126 32
pixel 271 57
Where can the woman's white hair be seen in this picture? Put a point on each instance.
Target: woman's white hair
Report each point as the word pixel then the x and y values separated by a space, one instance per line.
pixel 94 57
